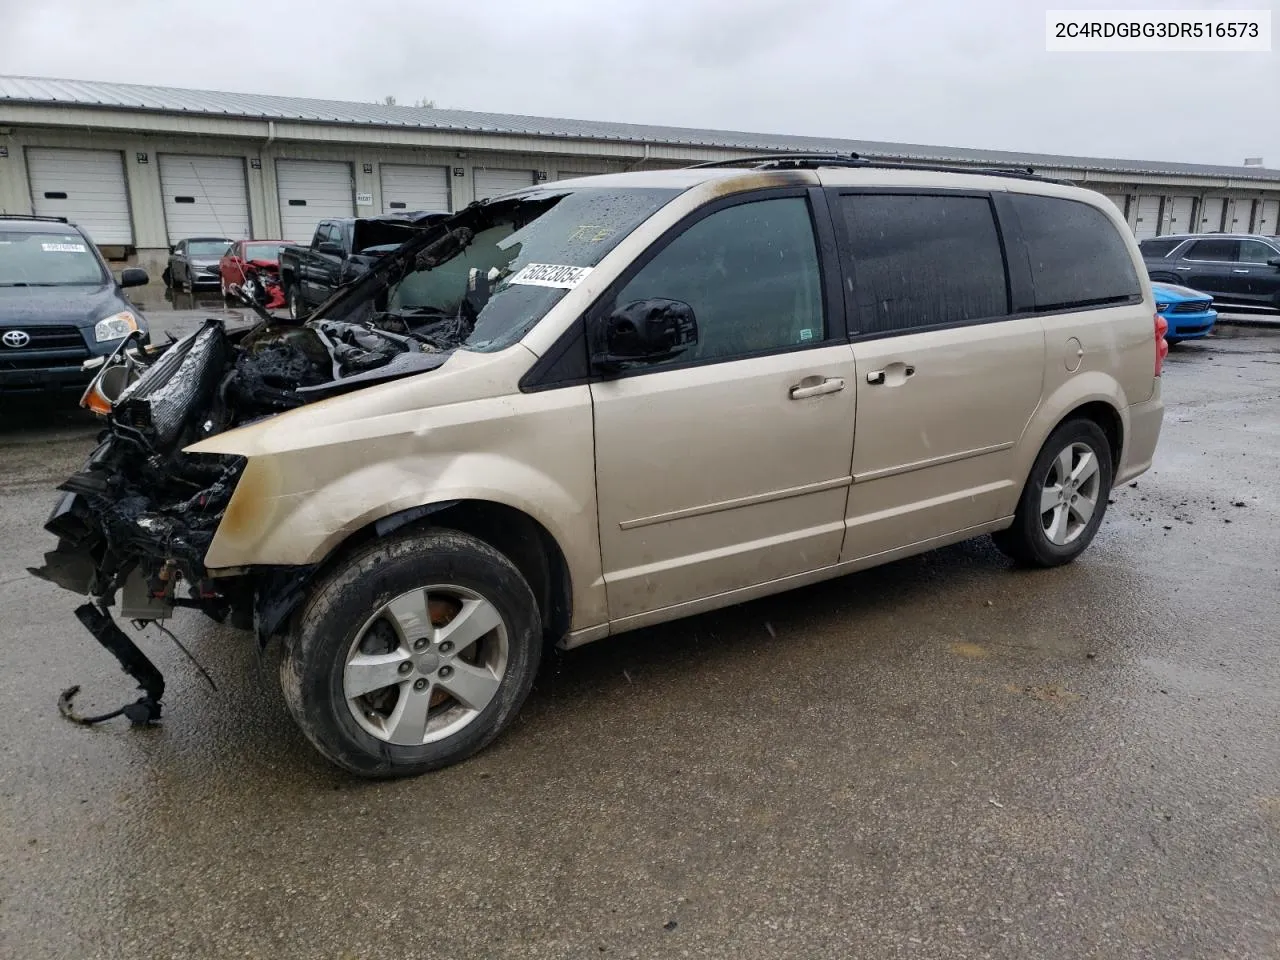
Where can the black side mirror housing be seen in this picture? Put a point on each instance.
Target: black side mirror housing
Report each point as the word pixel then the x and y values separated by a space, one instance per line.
pixel 643 331
pixel 1274 262
pixel 134 277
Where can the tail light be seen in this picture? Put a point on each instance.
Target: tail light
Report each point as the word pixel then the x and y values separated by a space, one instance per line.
pixel 1162 345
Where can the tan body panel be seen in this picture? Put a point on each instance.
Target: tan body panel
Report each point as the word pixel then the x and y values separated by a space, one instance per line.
pixel 934 448
pixel 712 477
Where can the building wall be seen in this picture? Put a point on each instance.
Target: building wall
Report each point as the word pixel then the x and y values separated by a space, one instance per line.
pixel 366 150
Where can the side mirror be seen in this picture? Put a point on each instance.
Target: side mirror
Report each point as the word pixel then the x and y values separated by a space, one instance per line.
pixel 173 248
pixel 134 277
pixel 643 331
pixel 1274 262
pixel 329 247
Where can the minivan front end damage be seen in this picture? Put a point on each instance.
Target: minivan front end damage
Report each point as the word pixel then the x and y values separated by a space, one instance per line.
pixel 135 523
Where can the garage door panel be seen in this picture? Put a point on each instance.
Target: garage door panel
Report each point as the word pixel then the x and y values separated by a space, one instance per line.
pixel 310 191
pixel 1177 216
pixel 493 181
pixel 204 196
pixel 1269 219
pixel 408 187
pixel 87 187
pixel 1211 212
pixel 1147 222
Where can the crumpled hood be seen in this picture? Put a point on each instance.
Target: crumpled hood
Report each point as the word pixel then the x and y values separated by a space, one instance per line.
pixel 82 306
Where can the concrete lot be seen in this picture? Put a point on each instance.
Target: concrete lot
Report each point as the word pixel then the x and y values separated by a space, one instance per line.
pixel 941 758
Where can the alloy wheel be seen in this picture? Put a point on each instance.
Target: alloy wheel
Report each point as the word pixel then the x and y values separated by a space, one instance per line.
pixel 425 665
pixel 1069 496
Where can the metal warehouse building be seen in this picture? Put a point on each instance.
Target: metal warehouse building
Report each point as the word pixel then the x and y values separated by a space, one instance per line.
pixel 140 167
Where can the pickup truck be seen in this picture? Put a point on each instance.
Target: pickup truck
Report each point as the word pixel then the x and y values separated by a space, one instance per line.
pixel 340 251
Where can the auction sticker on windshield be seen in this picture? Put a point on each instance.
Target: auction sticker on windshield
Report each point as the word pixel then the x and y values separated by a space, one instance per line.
pixel 62 247
pixel 551 275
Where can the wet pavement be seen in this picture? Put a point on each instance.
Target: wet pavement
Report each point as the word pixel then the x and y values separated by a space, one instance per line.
pixel 944 757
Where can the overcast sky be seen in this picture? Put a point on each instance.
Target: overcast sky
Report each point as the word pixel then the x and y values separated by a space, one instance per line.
pixel 968 73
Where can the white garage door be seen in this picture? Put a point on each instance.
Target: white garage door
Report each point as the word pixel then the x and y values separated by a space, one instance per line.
pixel 311 191
pixel 1118 199
pixel 491 181
pixel 1177 215
pixel 85 186
pixel 1269 218
pixel 574 174
pixel 408 188
pixel 1148 221
pixel 1238 212
pixel 1211 215
pixel 204 197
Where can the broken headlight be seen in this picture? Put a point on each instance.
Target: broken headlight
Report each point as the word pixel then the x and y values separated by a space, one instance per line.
pixel 115 327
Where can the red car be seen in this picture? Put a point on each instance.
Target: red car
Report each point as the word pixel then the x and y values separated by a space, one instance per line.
pixel 255 266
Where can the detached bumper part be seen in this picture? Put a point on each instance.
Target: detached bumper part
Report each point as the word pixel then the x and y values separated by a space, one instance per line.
pixel 146 709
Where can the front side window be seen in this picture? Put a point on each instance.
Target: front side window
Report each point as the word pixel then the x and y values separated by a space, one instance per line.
pixel 750 272
pixel 920 261
pixel 1078 257
pixel 1255 251
pixel 1216 250
pixel 47 260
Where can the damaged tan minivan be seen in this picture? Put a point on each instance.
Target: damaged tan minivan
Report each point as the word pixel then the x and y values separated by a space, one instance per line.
pixel 604 403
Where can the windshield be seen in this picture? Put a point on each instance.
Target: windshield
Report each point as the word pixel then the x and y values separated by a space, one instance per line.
pixel 262 251
pixel 207 248
pixel 527 253
pixel 47 260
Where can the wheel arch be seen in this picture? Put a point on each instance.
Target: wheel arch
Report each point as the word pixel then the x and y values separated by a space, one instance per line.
pixel 519 537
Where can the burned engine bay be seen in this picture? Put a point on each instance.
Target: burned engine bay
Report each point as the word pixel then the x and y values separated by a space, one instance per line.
pixel 135 523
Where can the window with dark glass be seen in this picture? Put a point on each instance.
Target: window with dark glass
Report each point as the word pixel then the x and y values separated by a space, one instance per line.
pixel 751 274
pixel 1157 248
pixel 1078 257
pixel 1214 250
pixel 1255 251
pixel 920 261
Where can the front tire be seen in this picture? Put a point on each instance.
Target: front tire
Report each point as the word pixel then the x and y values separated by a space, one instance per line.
pixel 296 309
pixel 412 654
pixel 1064 500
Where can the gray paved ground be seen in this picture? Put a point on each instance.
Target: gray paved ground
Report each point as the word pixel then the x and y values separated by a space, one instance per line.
pixel 941 758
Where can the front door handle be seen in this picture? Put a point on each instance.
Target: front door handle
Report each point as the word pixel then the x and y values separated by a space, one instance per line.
pixel 1237 270
pixel 1182 268
pixel 830 385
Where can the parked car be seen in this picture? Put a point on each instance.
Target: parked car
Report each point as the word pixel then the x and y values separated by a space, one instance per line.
pixel 589 407
pixel 340 251
pixel 1234 268
pixel 1188 312
pixel 59 304
pixel 195 262
pixel 254 266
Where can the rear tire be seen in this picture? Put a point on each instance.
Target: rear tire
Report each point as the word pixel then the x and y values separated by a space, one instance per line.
pixel 396 603
pixel 1070 478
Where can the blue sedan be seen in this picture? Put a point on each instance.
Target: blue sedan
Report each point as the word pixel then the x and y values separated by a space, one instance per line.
pixel 1190 313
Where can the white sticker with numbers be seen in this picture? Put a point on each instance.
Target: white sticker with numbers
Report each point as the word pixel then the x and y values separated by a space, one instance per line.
pixel 551 275
pixel 62 247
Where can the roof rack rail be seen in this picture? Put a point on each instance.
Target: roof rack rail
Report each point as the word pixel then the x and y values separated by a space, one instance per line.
pixel 31 216
pixel 808 161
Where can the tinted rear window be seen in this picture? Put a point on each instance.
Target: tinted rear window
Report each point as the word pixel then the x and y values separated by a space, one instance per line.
pixel 1078 257
pixel 918 261
pixel 1217 250
pixel 1153 249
